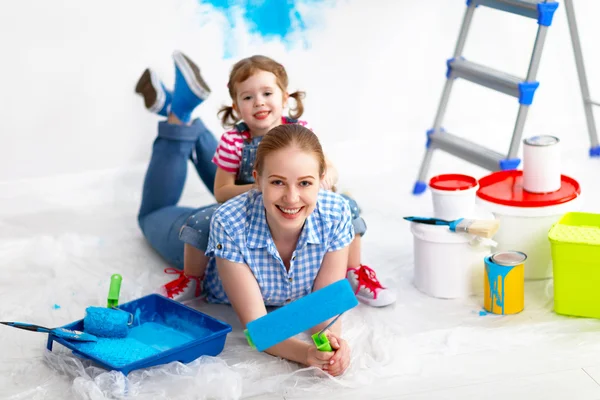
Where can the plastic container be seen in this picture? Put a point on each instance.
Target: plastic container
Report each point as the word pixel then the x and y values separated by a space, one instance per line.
pixel 525 218
pixel 448 265
pixel 575 244
pixel 163 331
pixel 541 164
pixel 453 195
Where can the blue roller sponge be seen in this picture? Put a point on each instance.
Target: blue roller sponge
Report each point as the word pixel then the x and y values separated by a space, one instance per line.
pixel 301 314
pixel 106 322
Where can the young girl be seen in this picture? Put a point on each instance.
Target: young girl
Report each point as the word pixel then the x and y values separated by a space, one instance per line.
pixel 258 89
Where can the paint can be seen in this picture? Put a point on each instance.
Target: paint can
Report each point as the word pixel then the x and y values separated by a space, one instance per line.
pixel 504 280
pixel 541 164
pixel 453 196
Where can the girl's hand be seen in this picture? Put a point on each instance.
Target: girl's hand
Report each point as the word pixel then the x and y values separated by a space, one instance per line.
pixel 341 357
pixel 329 181
pixel 331 176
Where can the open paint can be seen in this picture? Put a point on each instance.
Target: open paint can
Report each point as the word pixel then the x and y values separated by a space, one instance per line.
pixel 541 164
pixel 504 282
pixel 525 217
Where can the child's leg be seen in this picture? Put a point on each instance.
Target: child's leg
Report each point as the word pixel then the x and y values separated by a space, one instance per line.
pixel 193 237
pixel 190 91
pixel 205 148
pixel 167 170
pixel 157 98
pixel 165 177
pixel 363 279
pixel 166 226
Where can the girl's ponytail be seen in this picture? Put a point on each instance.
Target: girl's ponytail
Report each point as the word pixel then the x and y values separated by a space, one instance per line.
pixel 297 111
pixel 228 117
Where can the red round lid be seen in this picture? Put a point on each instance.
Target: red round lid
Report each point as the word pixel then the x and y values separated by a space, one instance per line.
pixel 452 182
pixel 506 188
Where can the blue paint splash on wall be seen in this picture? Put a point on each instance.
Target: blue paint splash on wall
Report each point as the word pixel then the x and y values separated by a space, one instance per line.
pixel 271 19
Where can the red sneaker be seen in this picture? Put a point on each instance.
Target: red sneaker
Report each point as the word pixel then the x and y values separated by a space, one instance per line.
pixel 367 287
pixel 182 288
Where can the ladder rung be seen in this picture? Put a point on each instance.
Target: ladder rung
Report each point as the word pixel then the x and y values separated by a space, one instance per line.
pixel 491 78
pixel 536 9
pixel 594 102
pixel 466 150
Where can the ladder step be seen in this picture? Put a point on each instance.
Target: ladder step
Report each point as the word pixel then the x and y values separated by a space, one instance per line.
pixel 491 78
pixel 471 152
pixel 541 10
pixel 595 103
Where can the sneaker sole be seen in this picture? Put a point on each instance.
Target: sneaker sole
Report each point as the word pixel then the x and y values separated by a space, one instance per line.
pixel 373 302
pixel 149 87
pixel 191 74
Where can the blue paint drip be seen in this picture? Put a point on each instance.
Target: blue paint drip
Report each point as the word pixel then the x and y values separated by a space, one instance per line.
pixel 136 317
pixel 271 19
pixel 482 313
pixel 56 307
pixel 495 273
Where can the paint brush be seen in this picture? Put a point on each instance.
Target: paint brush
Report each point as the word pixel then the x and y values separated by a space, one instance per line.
pixel 58 332
pixel 482 228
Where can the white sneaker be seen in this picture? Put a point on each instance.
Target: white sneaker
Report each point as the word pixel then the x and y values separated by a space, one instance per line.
pixel 183 288
pixel 367 287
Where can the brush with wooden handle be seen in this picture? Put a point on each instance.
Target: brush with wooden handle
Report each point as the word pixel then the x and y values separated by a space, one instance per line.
pixel 482 228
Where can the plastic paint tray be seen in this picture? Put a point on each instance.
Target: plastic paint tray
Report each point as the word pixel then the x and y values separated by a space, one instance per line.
pixel 163 331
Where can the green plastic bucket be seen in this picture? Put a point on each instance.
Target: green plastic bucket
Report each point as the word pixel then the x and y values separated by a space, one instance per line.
pixel 575 248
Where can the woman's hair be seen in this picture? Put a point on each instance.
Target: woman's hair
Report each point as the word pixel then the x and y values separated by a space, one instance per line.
pixel 243 70
pixel 288 135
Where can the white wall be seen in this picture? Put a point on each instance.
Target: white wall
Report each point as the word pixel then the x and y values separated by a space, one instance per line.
pixel 374 67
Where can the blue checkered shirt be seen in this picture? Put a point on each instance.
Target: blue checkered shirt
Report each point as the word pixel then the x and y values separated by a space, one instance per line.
pixel 239 233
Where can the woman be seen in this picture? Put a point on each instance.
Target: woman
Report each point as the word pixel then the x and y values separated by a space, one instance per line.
pixel 268 246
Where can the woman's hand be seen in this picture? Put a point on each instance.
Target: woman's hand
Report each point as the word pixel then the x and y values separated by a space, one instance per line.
pixel 341 356
pixel 333 362
pixel 319 359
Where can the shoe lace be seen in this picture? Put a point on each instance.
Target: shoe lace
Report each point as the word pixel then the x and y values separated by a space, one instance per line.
pixel 367 278
pixel 177 286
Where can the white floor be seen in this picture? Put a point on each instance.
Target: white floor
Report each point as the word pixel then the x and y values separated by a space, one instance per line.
pixel 61 239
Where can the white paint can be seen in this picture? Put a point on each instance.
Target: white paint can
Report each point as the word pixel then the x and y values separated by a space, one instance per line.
pixel 453 195
pixel 448 265
pixel 541 164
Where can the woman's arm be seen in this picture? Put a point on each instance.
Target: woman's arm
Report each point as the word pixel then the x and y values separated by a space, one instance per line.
pixel 333 268
pixel 246 299
pixel 225 187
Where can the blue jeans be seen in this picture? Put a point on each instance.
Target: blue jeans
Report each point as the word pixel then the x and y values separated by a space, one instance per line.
pixel 159 217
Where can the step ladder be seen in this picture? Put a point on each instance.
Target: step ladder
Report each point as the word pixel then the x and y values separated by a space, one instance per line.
pixel 583 84
pixel 522 89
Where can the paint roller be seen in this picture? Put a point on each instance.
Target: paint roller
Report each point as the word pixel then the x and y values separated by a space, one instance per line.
pixel 301 315
pixel 109 321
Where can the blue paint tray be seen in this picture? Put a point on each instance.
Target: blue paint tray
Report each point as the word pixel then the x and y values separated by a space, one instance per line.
pixel 163 331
